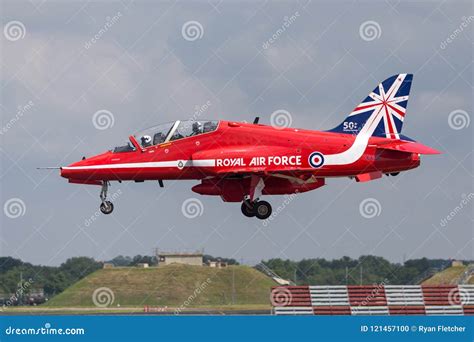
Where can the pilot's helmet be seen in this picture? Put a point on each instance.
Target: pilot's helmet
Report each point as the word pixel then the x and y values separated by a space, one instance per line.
pixel 146 139
pixel 197 127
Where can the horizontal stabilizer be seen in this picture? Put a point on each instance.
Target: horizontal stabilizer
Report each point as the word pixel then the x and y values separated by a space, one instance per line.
pixel 408 146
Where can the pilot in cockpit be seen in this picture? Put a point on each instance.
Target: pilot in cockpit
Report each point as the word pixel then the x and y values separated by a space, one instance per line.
pixel 197 128
pixel 146 141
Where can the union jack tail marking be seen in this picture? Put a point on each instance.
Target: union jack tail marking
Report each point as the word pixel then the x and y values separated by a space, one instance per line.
pixel 390 98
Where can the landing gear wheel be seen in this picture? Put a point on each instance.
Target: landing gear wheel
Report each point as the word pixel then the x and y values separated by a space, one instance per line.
pixel 263 210
pixel 248 209
pixel 106 207
pixel 394 174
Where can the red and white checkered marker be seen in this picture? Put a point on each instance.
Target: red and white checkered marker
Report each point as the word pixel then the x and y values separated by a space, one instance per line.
pixel 376 300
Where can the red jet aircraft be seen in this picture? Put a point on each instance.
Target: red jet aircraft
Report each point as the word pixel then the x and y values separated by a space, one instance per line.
pixel 240 162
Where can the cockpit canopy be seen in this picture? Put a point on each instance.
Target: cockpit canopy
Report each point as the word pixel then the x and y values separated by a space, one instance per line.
pixel 169 132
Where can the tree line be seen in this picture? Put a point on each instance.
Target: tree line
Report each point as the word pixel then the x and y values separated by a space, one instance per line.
pixel 366 269
pixel 16 274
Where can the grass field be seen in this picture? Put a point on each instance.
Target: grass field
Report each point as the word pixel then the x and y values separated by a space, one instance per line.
pixel 171 286
pixel 124 310
pixel 449 276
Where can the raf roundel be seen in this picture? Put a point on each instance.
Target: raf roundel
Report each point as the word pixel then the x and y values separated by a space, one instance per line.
pixel 316 159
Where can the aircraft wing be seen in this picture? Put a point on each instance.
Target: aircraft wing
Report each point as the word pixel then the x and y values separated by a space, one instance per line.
pixel 408 146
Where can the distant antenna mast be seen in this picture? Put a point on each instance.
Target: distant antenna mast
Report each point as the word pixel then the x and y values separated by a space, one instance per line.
pixel 233 285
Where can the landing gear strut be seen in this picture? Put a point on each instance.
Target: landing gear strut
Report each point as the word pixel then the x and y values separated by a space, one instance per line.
pixel 251 206
pixel 106 207
pixel 261 209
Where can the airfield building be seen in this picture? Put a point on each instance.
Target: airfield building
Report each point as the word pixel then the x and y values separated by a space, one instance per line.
pixel 179 258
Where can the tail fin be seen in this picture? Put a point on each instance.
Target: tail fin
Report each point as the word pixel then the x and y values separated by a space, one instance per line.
pixel 388 100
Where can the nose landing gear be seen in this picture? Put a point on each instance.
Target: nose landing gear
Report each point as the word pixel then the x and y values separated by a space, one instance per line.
pixel 260 209
pixel 106 207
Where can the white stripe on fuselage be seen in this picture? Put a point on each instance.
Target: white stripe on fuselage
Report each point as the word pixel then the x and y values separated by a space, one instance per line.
pixel 171 163
pixel 353 153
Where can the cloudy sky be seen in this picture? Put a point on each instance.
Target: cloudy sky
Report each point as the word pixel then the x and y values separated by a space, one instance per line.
pixel 146 63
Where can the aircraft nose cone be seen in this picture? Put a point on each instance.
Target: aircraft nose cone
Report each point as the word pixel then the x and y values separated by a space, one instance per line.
pixel 84 169
pixel 67 172
pixel 63 172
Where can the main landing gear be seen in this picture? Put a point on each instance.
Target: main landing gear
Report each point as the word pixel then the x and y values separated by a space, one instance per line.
pixel 251 206
pixel 261 209
pixel 106 207
pixel 393 174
